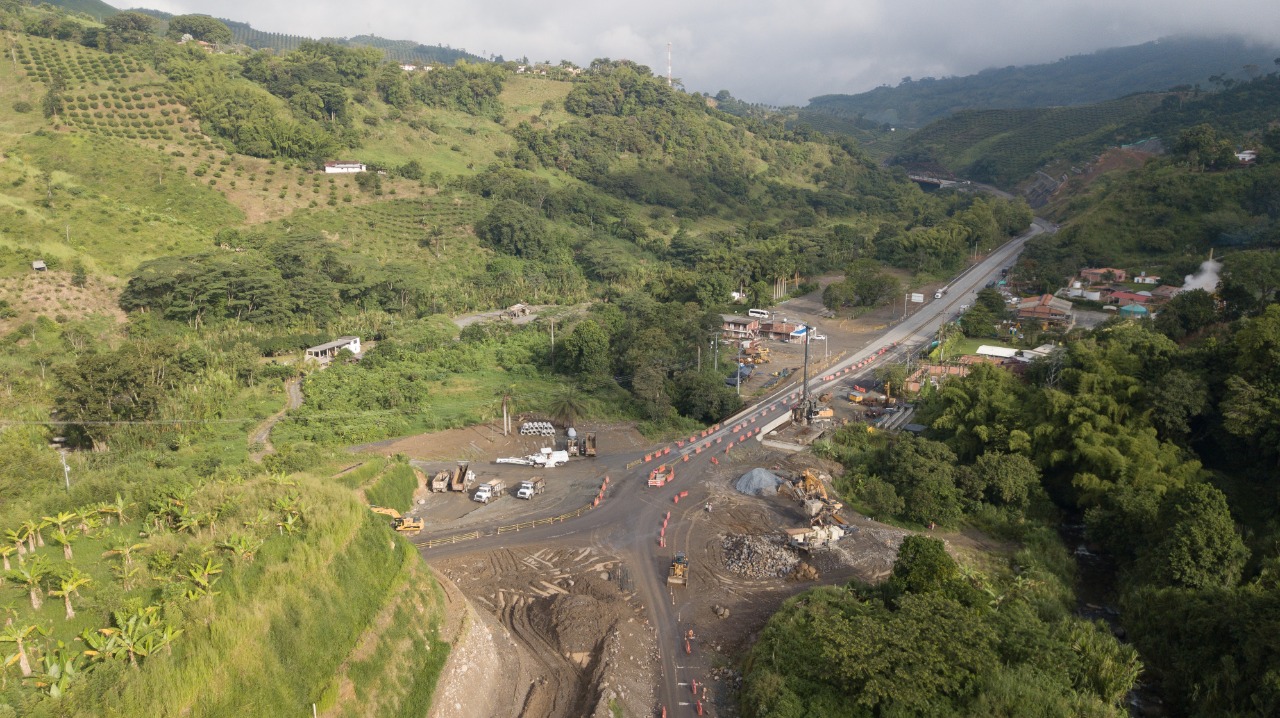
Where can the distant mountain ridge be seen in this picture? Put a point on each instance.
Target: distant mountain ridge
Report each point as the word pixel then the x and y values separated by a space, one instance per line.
pixel 1076 80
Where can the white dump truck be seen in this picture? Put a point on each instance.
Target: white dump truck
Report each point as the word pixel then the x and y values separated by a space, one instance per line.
pixel 531 488
pixel 489 491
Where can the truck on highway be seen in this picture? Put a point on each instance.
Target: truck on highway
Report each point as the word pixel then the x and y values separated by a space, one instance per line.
pixel 939 294
pixel 532 487
pixel 489 491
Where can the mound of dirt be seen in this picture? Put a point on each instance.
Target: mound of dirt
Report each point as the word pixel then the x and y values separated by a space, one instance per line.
pixel 758 482
pixel 577 623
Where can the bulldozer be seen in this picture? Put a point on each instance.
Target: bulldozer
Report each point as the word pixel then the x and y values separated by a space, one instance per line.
pixel 811 492
pixel 403 524
pixel 678 575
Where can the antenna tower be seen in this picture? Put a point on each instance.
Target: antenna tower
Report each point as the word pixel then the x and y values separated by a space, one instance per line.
pixel 668 64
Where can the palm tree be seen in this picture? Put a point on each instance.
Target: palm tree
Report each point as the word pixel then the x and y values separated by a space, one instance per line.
pixel 69 585
pixel 63 538
pixel 204 577
pixel 31 574
pixel 567 407
pixel 115 509
pixel 242 546
pixel 125 551
pixel 60 521
pixel 18 539
pixel 17 635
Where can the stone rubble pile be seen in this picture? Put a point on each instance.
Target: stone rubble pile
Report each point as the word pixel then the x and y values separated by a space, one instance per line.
pixel 758 556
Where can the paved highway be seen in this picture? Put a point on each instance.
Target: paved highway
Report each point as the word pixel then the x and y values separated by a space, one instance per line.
pixel 626 523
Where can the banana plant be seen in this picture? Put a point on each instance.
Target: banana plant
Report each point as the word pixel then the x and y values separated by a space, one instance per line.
pixel 17 634
pixel 68 586
pixel 31 574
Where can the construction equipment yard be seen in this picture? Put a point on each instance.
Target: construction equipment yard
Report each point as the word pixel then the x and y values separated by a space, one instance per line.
pixel 561 604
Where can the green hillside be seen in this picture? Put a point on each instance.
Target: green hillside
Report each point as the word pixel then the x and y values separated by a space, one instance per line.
pixel 1002 147
pixel 194 246
pixel 1079 79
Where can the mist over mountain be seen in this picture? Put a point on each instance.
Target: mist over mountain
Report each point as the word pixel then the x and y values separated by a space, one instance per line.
pixel 1079 79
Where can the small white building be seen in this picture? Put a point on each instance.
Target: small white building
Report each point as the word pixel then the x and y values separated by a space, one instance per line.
pixel 1145 278
pixel 324 353
pixel 343 168
pixel 39 266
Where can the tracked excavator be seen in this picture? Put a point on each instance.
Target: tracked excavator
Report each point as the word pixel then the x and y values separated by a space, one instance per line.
pixel 403 524
pixel 811 492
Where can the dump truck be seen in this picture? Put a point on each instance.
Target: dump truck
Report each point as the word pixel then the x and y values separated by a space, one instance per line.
pixel 489 491
pixel 589 445
pixel 531 488
pixel 403 524
pixel 440 482
pixel 462 477
pixel 678 575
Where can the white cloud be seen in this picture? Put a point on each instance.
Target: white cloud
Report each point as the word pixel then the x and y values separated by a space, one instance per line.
pixel 772 51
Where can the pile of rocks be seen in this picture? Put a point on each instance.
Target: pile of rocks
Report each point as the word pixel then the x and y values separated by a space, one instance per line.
pixel 758 556
pixel 758 482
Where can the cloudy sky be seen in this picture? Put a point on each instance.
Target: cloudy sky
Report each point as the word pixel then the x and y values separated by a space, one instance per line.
pixel 771 51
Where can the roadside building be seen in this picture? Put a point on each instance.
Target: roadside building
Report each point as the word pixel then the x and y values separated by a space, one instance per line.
pixel 1104 275
pixel 1046 310
pixel 324 353
pixel 736 327
pixel 343 168
pixel 1145 278
pixel 1164 293
pixel 1123 298
pixel 780 331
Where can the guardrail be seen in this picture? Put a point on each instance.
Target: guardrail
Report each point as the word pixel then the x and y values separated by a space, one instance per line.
pixel 450 539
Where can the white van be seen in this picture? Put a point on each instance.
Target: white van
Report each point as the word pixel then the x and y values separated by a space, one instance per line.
pixel 758 313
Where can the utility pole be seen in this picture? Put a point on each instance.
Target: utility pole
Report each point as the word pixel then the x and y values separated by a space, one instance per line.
pixel 553 345
pixel 66 470
pixel 804 397
pixel 715 345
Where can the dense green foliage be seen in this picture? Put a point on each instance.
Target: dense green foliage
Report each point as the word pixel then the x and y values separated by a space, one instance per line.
pixel 1076 80
pixel 1149 440
pixel 935 641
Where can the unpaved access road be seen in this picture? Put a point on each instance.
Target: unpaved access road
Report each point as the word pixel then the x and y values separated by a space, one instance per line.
pixel 626 524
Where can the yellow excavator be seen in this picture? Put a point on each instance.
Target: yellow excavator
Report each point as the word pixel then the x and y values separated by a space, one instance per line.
pixel 403 524
pixel 811 492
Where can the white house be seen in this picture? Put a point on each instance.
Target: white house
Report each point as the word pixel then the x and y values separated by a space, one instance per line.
pixel 324 353
pixel 343 168
pixel 1145 278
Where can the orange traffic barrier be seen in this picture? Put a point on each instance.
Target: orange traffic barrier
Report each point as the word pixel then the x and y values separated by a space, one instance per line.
pixel 686 457
pixel 675 499
pixel 666 451
pixel 714 460
pixel 595 503
pixel 687 648
pixel 648 457
pixel 693 683
pixel 663 532
pixel 684 494
pixel 699 704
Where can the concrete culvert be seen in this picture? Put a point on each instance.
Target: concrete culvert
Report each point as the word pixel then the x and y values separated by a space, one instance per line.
pixel 758 482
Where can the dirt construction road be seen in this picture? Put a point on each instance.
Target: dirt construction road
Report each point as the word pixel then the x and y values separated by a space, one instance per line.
pixel 627 526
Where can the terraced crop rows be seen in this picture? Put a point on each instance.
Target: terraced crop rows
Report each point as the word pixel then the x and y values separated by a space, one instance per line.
pixel 108 94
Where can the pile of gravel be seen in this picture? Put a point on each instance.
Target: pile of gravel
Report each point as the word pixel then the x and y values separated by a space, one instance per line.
pixel 758 556
pixel 758 482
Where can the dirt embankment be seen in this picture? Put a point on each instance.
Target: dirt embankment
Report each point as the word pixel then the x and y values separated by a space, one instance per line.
pixel 585 648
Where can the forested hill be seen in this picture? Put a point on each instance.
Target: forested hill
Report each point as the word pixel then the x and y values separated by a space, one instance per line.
pixel 244 34
pixel 1079 79
pixel 1004 147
